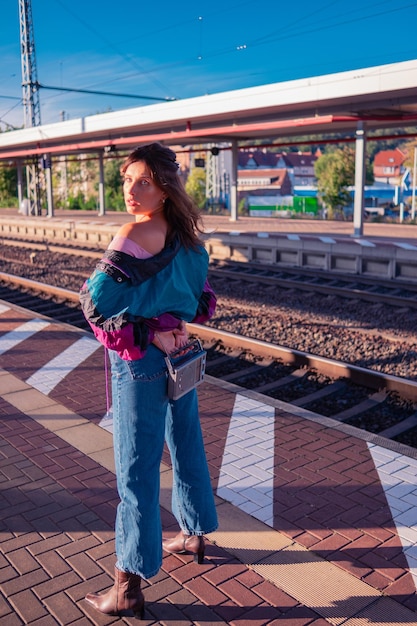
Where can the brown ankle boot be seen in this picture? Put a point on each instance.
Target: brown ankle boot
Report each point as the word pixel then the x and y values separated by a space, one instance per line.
pixel 125 595
pixel 183 544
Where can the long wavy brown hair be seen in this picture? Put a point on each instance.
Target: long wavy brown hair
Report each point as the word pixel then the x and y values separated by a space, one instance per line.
pixel 181 212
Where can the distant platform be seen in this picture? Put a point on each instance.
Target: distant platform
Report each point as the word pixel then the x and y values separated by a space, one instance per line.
pixel 384 231
pixel 386 251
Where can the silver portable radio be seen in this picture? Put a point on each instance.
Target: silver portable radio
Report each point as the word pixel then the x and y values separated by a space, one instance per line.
pixel 186 368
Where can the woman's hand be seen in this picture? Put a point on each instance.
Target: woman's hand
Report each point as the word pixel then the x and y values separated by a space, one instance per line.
pixel 165 342
pixel 172 340
pixel 181 335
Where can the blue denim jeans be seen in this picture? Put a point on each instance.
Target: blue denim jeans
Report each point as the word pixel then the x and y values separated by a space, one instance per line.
pixel 143 417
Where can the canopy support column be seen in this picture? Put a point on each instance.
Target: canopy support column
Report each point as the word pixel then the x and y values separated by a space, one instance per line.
pixel 233 184
pixel 360 173
pixel 47 169
pixel 101 194
pixel 19 183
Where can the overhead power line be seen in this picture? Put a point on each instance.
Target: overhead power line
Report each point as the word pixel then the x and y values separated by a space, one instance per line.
pixel 103 93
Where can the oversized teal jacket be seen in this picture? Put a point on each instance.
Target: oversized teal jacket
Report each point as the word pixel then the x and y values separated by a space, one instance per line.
pixel 126 299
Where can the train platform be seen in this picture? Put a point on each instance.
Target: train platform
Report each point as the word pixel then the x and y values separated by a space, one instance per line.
pixel 378 232
pixel 318 520
pixel 383 252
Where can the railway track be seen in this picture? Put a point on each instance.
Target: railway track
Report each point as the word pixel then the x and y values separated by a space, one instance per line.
pixel 373 401
pixel 368 289
pixel 400 293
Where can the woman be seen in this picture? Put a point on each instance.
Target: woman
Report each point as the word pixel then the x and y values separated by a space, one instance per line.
pixel 150 282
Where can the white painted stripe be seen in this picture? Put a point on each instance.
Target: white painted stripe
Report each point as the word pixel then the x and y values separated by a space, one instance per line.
pixel 327 240
pixel 4 308
pixel 404 245
pixel 398 476
pixel 365 243
pixel 106 422
pixel 247 472
pixel 48 377
pixel 24 331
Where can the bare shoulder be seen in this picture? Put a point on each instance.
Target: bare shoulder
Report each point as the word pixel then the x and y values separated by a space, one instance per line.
pixel 126 230
pixel 149 235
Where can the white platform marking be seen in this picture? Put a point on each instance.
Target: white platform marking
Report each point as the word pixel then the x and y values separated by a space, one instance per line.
pixel 107 421
pixel 48 377
pixel 4 308
pixel 247 472
pixel 24 331
pixel 365 243
pixel 398 476
pixel 404 245
pixel 327 240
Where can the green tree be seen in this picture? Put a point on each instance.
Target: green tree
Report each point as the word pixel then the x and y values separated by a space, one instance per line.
pixel 81 185
pixel 113 185
pixel 335 172
pixel 408 148
pixel 8 186
pixel 196 186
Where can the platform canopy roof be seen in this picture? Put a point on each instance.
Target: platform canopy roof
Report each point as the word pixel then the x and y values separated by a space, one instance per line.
pixel 381 97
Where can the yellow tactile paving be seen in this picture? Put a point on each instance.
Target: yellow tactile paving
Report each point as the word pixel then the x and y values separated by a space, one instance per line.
pixel 382 613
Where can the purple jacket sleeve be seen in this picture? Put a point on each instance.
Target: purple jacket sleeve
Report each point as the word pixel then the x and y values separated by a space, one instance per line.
pixel 206 305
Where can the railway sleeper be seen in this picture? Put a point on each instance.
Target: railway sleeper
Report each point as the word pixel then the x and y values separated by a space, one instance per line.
pixel 338 385
pixel 282 382
pixel 365 405
pixel 249 371
pixel 402 427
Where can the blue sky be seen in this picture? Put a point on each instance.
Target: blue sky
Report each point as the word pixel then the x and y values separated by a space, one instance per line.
pixel 164 49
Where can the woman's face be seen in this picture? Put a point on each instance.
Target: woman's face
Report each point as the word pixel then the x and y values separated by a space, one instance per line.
pixel 141 194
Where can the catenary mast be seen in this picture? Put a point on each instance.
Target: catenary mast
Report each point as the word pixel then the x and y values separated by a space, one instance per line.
pixel 31 102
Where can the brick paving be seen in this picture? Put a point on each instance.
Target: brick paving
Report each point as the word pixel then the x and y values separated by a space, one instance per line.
pixel 56 542
pixel 318 522
pixel 320 491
